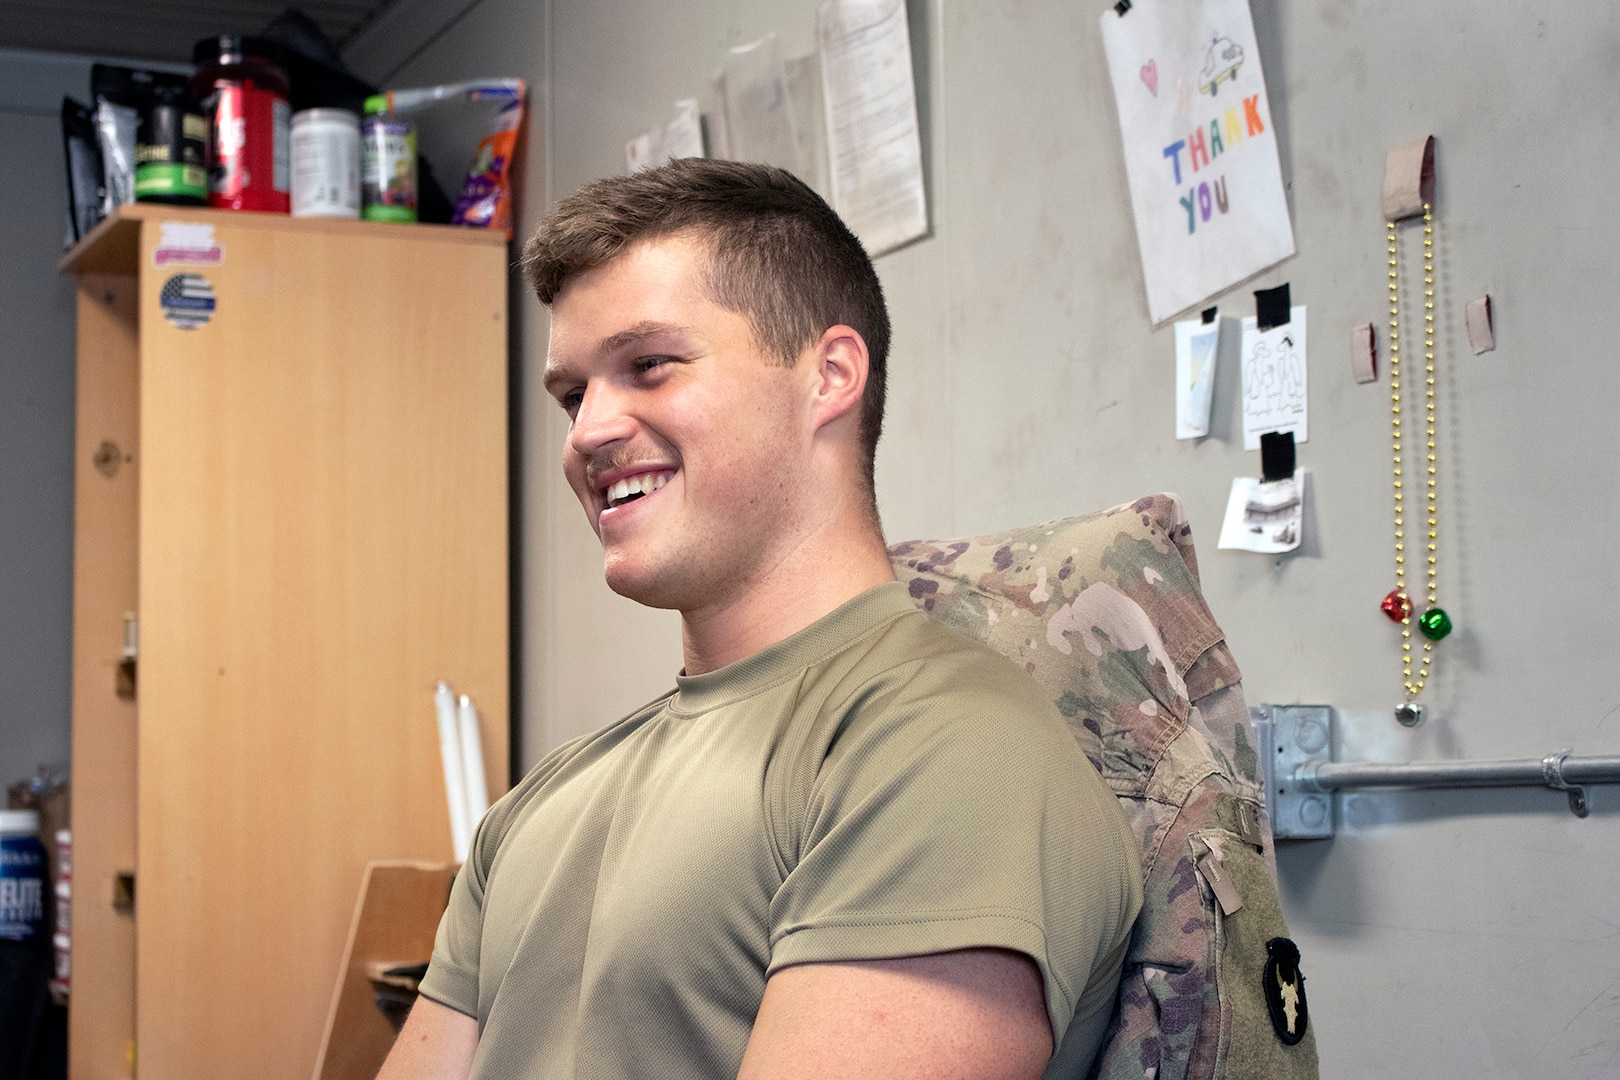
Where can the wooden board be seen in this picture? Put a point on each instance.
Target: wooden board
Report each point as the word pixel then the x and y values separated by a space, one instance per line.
pixel 113 246
pixel 395 923
pixel 106 467
pixel 323 538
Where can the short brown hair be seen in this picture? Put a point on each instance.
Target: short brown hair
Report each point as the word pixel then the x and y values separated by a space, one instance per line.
pixel 779 256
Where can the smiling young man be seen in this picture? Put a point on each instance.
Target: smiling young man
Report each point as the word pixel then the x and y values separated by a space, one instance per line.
pixel 850 842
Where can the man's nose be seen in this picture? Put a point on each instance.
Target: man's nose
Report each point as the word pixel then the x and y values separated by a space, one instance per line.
pixel 603 418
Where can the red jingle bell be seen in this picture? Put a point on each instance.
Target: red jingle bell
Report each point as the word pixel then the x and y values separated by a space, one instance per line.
pixel 1397 606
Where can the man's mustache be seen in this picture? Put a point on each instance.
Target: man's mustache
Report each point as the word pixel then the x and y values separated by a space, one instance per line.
pixel 620 457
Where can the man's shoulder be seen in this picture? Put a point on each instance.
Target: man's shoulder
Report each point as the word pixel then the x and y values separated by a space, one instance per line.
pixel 932 656
pixel 914 679
pixel 914 715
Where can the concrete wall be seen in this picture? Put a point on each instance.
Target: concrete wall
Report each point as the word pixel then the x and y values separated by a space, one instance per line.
pixel 36 415
pixel 36 411
pixel 1452 934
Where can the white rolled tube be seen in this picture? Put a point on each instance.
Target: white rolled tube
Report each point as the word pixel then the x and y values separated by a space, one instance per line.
pixel 472 762
pixel 455 781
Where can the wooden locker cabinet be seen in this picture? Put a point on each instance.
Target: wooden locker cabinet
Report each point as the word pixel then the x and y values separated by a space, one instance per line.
pixel 305 500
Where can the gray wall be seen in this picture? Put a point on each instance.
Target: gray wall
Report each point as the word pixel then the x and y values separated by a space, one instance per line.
pixel 1453 934
pixel 36 411
pixel 36 416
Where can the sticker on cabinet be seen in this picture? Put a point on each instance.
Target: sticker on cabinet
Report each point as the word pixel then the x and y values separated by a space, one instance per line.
pixel 187 301
pixel 189 243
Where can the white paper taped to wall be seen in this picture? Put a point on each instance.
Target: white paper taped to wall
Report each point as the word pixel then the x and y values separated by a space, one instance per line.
pixel 759 114
pixel 1200 152
pixel 1274 379
pixel 680 136
pixel 1201 349
pixel 874 151
pixel 1265 517
pixel 809 119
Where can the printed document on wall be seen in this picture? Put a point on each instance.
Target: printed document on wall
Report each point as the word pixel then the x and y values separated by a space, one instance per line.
pixel 1200 150
pixel 759 116
pixel 874 153
pixel 681 136
pixel 1267 517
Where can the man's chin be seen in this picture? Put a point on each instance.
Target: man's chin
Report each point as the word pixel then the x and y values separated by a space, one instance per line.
pixel 644 587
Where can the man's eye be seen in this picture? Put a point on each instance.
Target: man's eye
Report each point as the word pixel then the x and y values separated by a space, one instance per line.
pixel 644 364
pixel 571 401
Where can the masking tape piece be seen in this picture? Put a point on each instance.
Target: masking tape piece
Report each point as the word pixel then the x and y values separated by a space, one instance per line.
pixel 1481 325
pixel 1408 179
pixel 1363 354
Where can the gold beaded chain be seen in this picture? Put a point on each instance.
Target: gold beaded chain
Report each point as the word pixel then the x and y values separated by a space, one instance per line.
pixel 1434 622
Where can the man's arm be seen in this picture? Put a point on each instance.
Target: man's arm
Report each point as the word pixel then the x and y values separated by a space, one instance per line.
pixel 974 1014
pixel 437 1043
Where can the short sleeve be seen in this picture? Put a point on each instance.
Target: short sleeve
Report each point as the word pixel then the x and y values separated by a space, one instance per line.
pixel 452 974
pixel 953 810
pixel 454 970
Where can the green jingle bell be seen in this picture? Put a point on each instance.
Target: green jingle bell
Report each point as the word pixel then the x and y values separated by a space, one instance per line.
pixel 1434 623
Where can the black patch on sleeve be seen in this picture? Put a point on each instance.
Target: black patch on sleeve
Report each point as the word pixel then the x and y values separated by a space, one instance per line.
pixel 1284 988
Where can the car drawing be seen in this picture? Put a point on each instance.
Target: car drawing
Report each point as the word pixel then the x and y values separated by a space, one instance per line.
pixel 1221 64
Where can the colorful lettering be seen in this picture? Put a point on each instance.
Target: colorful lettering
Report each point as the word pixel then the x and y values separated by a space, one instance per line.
pixel 1251 114
pixel 1173 152
pixel 1196 148
pixel 1203 202
pixel 1225 132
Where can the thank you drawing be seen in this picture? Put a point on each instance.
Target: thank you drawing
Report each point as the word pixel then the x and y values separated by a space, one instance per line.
pixel 1200 152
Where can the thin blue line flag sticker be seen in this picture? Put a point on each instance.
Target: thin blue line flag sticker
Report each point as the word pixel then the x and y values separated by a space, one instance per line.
pixel 187 301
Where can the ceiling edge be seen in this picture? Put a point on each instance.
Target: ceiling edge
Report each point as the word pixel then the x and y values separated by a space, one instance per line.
pixel 397 34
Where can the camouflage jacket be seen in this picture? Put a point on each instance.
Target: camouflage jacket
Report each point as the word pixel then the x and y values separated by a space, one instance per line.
pixel 1105 612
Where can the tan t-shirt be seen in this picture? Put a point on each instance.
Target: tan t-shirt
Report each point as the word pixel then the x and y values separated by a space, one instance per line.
pixel 874 786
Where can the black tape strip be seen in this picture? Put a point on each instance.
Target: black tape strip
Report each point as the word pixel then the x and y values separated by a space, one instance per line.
pixel 1272 307
pixel 1276 455
pixel 1209 315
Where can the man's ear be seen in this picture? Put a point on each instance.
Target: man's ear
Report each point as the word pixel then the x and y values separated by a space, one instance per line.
pixel 841 365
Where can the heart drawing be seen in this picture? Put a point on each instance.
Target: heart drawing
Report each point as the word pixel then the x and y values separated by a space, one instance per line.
pixel 1150 76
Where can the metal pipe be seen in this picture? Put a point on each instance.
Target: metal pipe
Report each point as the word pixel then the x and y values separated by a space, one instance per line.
pixel 1553 771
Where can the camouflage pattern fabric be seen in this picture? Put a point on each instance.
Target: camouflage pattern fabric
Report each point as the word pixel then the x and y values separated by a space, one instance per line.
pixel 1105 612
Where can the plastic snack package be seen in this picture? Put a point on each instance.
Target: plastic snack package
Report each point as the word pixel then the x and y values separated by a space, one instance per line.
pixel 83 170
pixel 486 197
pixel 407 102
pixel 486 200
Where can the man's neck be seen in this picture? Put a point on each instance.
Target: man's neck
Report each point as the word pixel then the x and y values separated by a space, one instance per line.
pixel 801 588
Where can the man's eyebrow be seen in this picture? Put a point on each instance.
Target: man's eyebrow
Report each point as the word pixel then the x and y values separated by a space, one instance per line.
pixel 554 374
pixel 633 335
pixel 626 338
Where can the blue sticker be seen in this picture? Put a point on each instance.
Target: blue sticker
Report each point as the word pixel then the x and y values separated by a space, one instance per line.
pixel 187 301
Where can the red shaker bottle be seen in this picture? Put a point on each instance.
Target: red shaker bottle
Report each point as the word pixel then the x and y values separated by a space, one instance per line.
pixel 245 95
